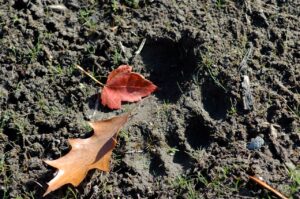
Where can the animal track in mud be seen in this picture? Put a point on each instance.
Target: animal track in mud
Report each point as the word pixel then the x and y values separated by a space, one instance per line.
pixel 174 141
pixel 214 100
pixel 157 166
pixel 170 67
pixel 197 133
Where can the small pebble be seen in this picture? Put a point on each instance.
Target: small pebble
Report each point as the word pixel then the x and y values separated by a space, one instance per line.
pixel 256 143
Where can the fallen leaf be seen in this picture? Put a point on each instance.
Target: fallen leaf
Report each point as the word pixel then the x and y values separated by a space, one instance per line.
pixel 86 154
pixel 124 85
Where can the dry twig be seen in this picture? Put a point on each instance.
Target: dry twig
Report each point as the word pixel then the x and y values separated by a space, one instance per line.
pixel 139 50
pixel 243 64
pixel 265 185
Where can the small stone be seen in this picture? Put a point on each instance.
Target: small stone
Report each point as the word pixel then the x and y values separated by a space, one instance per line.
pixel 256 143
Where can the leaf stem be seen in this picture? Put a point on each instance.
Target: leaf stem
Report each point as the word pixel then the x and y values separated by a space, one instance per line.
pixel 88 74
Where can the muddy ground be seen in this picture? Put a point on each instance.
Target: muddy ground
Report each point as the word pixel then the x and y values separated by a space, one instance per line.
pixel 189 139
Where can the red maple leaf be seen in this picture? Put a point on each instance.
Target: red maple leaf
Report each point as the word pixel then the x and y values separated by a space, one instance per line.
pixel 124 85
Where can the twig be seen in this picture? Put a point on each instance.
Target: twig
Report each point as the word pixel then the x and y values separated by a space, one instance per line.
pixel 122 47
pixel 243 64
pixel 134 151
pixel 91 76
pixel 139 50
pixel 265 185
pixel 58 7
pixel 38 183
pixel 123 50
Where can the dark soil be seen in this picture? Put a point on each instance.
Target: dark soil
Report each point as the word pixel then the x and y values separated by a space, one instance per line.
pixel 189 139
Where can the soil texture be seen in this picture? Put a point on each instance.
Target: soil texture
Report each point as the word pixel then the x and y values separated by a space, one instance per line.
pixel 190 139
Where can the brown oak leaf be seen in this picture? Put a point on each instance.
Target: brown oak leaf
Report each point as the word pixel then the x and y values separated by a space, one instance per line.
pixel 86 154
